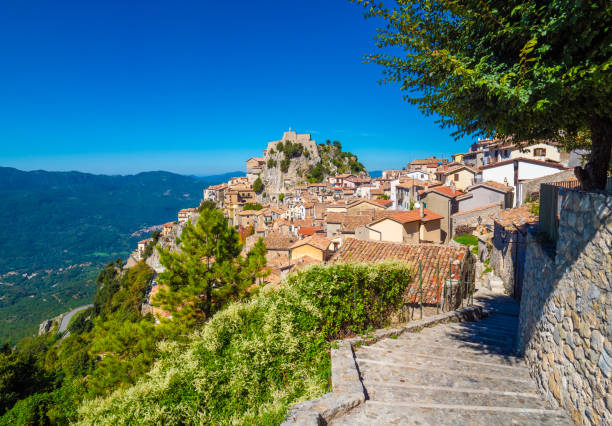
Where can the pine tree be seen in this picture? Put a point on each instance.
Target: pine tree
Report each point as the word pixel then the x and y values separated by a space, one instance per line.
pixel 204 272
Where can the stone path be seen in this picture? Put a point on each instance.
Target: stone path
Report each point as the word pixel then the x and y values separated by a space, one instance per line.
pixel 452 374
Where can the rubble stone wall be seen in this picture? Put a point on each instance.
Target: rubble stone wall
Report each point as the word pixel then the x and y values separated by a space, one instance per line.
pixel 565 326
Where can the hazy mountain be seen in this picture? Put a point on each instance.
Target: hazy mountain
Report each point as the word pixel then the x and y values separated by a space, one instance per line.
pixel 51 221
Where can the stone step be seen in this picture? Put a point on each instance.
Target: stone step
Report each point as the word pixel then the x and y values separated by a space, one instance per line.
pixel 419 374
pixel 407 393
pixel 379 353
pixel 448 339
pixel 448 364
pixel 475 353
pixel 381 413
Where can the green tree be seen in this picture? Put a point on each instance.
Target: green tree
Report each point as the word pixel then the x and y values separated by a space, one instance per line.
pixel 258 185
pixel 508 68
pixel 252 206
pixel 207 204
pixel 281 197
pixel 195 275
pixel 271 163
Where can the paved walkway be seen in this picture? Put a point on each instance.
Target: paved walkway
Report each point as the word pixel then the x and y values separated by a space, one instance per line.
pixel 452 374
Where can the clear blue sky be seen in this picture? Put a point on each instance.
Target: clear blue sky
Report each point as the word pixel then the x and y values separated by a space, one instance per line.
pixel 195 87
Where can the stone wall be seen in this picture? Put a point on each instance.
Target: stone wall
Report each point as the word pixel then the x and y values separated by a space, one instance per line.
pixel 507 255
pixel 566 310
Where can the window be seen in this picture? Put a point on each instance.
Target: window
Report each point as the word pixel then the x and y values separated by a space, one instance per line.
pixel 456 177
pixel 539 152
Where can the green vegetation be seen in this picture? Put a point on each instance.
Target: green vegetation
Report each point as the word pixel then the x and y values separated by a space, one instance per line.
pixel 54 220
pixel 334 161
pixel 271 162
pixel 281 197
pixel 529 70
pixel 207 271
pixel 258 185
pixel 252 206
pixel 255 358
pixel 382 197
pixel 148 251
pixel 284 165
pixel 467 239
pixel 111 345
pixel 534 208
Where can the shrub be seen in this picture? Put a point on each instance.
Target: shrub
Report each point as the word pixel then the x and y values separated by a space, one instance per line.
pixel 253 359
pixel 271 163
pixel 258 185
pixel 252 206
pixel 284 165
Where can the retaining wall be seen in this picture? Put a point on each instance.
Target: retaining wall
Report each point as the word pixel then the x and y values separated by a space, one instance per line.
pixel 565 327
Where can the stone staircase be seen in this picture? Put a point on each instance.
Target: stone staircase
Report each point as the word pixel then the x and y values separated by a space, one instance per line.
pixel 452 374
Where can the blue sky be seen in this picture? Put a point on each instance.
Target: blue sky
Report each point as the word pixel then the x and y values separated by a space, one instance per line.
pixel 195 87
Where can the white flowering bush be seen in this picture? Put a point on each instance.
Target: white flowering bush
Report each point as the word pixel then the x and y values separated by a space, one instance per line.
pixel 254 359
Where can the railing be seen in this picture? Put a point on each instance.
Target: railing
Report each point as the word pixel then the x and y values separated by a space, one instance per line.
pixel 452 289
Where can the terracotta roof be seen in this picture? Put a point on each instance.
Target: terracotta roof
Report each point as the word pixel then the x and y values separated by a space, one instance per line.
pixel 382 203
pixel 317 241
pixel 493 185
pixel 414 216
pixel 430 257
pixel 424 161
pixel 518 217
pixel 445 190
pixel 303 262
pixel 408 183
pixel 454 169
pixel 145 241
pixel 335 217
pixel 303 222
pixel 352 222
pixel 276 241
pixel 248 213
pixel 309 230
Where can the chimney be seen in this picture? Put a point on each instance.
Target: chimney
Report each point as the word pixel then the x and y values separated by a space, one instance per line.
pixel 453 187
pixel 422 211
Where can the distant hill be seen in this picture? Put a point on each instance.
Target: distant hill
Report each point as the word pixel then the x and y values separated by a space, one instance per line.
pixel 58 228
pixel 217 179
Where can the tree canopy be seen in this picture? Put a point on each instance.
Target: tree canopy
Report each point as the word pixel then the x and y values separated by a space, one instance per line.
pixel 506 68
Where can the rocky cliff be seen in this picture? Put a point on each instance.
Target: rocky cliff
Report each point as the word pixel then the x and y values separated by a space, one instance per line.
pixel 296 159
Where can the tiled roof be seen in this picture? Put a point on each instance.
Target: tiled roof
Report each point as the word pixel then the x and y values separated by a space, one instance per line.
pixel 449 170
pixel 445 190
pixel 518 216
pixel 335 217
pixel 494 185
pixel 424 161
pixel 309 230
pixel 352 222
pixel 317 241
pixel 275 241
pixel 248 213
pixel 414 216
pixel 435 261
pixel 145 241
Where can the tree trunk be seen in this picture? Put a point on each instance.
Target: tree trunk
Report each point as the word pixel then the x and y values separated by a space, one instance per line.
pixel 594 174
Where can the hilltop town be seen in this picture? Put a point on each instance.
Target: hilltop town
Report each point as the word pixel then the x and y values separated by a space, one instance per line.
pixel 413 214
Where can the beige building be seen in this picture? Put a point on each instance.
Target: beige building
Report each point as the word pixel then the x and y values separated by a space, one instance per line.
pixel 364 205
pixel 413 226
pixel 316 247
pixel 460 176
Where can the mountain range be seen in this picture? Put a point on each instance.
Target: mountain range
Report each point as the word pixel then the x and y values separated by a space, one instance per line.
pixel 59 228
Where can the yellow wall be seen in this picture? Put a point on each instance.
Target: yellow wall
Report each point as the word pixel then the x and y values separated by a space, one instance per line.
pixel 430 231
pixel 465 179
pixel 307 250
pixel 552 152
pixel 389 230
